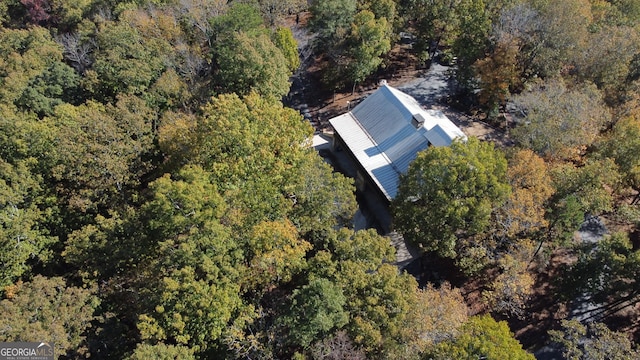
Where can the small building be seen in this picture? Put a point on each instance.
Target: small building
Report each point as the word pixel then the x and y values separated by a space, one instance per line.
pixel 384 133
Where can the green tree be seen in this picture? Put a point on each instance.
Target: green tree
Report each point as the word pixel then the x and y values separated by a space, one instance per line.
pixel 379 299
pixel 161 351
pixel 56 85
pixel 239 17
pixel 315 311
pixel 194 290
pixel 251 62
pixel 253 165
pixel 437 24
pixel 590 184
pixel 323 199
pixel 331 20
pixel 605 273
pixel 23 236
pixel 623 145
pixel 267 171
pixel 472 40
pixel 67 14
pixel 49 309
pixel 246 58
pixel 482 337
pixel 449 193
pixel 386 9
pixel 594 341
pixel 100 151
pixel 284 40
pixel 125 63
pixel 370 38
pixel 32 74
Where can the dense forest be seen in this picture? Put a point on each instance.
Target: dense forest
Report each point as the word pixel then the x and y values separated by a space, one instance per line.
pixel 158 200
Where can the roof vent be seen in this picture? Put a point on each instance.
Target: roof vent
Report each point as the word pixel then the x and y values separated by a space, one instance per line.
pixel 417 121
pixel 383 82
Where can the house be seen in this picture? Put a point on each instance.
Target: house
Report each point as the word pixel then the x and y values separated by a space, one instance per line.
pixel 384 133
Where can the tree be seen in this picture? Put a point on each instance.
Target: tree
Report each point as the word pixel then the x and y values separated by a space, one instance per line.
pixel 196 16
pixel 369 39
pixel 56 85
pixel 168 92
pixel 337 347
pixel 471 42
pixel 23 236
pixel 28 58
pixel 239 17
pixel 605 274
pixel 331 20
pixel 449 193
pixel 498 74
pixel 388 317
pixel 246 59
pixel 379 301
pixel 48 309
pixel 67 15
pixel 594 341
pixel 365 247
pixel 125 63
pixel 274 10
pixel 275 253
pixel 622 145
pixel 99 153
pixel 590 184
pixel 251 62
pixel 608 62
pixel 3 12
pixel 482 337
pixel 509 292
pixel 558 122
pixel 284 40
pixel 561 30
pixel 255 166
pixel 38 10
pixel 524 212
pixel 354 36
pixel 381 9
pixel 194 291
pixel 315 311
pixel 437 316
pixel 437 24
pixel 324 199
pixel 161 351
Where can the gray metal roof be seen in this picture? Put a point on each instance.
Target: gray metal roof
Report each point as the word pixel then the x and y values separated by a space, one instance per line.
pixel 380 134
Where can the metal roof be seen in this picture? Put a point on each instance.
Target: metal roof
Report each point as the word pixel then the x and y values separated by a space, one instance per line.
pixel 380 134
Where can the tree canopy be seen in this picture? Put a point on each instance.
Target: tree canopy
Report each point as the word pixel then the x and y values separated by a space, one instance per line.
pixel 158 199
pixel 449 193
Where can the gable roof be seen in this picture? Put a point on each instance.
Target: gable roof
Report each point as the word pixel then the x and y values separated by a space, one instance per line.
pixel 381 133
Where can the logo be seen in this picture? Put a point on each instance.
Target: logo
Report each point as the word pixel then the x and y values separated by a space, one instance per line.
pixel 26 351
